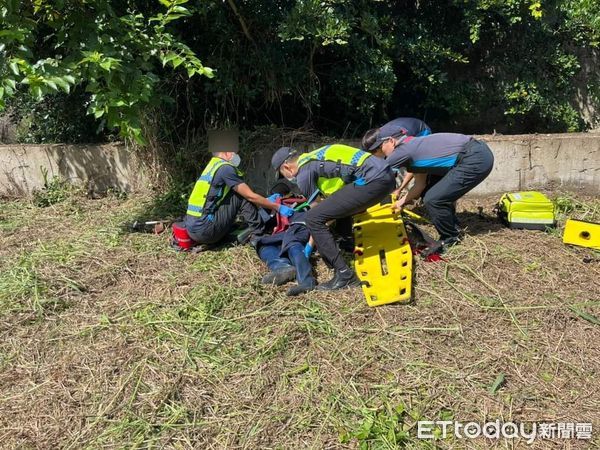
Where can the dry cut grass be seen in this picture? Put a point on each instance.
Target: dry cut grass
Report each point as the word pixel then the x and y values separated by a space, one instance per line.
pixel 111 340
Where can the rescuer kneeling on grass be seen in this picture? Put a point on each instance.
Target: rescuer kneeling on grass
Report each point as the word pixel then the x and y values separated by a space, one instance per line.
pixel 219 195
pixel 461 162
pixel 351 181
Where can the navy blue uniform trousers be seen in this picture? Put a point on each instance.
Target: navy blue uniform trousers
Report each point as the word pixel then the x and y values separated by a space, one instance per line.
pixel 348 201
pixel 474 165
pixel 211 229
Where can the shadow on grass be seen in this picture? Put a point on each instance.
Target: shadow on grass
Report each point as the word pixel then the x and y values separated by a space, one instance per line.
pixel 479 223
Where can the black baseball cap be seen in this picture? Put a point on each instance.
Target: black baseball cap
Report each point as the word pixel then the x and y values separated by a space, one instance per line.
pixel 280 156
pixel 387 131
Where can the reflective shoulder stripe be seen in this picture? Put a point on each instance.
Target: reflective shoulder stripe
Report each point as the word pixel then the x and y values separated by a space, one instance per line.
pixel 194 208
pixel 315 155
pixel 209 174
pixel 359 156
pixel 321 152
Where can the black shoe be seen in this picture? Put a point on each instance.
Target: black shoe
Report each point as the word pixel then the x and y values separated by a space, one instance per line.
pixel 249 236
pixel 340 280
pixel 440 247
pixel 281 276
pixel 244 236
pixel 254 240
pixel 300 289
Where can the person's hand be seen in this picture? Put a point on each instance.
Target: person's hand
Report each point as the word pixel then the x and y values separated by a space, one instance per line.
pixel 286 211
pixel 397 207
pixel 273 198
pixel 308 249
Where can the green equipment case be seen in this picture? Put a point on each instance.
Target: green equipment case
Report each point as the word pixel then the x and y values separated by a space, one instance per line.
pixel 529 210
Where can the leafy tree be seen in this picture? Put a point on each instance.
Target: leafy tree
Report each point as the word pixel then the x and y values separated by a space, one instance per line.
pixel 338 65
pixel 114 48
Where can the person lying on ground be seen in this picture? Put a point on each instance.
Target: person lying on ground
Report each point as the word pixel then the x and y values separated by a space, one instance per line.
pixel 351 181
pixel 219 195
pixel 460 162
pixel 287 254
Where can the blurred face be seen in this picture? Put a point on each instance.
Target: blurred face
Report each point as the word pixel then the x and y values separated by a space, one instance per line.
pixel 388 146
pixel 379 153
pixel 289 169
pixel 232 157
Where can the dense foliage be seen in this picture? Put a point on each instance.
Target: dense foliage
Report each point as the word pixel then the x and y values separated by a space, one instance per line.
pixel 337 65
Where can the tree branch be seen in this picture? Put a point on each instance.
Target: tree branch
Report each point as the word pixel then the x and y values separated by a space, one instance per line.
pixel 241 20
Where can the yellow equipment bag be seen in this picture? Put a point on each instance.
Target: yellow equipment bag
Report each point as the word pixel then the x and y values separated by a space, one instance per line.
pixel 584 234
pixel 382 257
pixel 530 210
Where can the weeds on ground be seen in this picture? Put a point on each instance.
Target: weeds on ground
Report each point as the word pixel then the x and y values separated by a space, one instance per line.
pixel 28 284
pixel 145 347
pixel 568 206
pixel 55 190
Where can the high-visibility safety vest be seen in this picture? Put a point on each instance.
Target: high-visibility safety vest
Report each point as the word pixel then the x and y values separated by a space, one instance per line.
pixel 344 156
pixel 199 196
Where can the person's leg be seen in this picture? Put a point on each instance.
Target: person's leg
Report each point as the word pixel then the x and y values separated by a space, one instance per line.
pixel 306 281
pixel 302 264
pixel 234 204
pixel 350 200
pixel 475 166
pixel 270 255
pixel 281 269
pixel 216 226
pixel 251 216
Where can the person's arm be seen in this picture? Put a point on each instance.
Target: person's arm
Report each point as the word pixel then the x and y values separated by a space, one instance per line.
pixel 413 193
pixel 307 181
pixel 245 191
pixel 408 177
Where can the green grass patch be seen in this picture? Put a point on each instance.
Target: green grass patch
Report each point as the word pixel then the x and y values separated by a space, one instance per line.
pixel 24 285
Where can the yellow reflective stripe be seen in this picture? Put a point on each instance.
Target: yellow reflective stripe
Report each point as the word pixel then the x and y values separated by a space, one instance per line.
pixel 330 186
pixel 198 197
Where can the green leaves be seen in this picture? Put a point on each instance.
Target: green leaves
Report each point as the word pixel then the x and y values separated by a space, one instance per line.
pixel 536 9
pixel 116 58
pixel 498 382
pixel 317 21
pixel 14 67
pixel 347 64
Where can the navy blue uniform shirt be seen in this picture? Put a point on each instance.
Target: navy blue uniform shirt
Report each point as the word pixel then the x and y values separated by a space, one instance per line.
pixel 409 126
pixel 309 173
pixel 435 154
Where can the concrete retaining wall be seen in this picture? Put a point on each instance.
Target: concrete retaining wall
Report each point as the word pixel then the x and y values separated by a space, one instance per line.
pixel 522 162
pixel 96 167
pixel 532 161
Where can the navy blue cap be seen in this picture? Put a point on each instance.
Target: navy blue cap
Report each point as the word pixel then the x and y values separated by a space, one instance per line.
pixel 280 156
pixel 390 129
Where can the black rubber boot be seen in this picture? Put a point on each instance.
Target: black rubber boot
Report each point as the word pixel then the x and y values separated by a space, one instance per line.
pixel 340 280
pixel 300 289
pixel 281 276
pixel 441 247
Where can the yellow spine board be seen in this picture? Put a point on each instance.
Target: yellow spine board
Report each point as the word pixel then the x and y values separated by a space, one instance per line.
pixel 383 257
pixel 584 234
